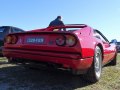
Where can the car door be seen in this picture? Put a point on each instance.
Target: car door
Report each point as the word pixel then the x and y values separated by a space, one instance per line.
pixel 107 47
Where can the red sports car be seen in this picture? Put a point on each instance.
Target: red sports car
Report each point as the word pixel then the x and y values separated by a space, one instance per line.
pixel 76 47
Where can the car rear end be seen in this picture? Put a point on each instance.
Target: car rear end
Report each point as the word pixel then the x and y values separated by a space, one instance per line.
pixel 62 48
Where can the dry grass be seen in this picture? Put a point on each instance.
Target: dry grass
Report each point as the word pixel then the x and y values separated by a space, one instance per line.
pixel 15 77
pixel 110 79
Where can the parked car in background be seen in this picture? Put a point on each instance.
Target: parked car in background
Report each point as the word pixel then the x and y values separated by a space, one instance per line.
pixel 118 46
pixel 114 41
pixel 5 30
pixel 76 47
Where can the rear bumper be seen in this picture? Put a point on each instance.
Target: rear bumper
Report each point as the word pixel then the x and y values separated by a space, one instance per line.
pixel 69 60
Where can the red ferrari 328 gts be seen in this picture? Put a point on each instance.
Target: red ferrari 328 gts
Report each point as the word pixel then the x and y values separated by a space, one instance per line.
pixel 76 47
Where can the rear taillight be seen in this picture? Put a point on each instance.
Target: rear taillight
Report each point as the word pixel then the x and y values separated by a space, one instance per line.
pixel 12 39
pixel 8 39
pixel 70 40
pixel 66 40
pixel 61 40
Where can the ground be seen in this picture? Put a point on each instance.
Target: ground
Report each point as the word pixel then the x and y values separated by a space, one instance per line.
pixel 16 77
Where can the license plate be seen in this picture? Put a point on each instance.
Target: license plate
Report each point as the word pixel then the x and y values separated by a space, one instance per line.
pixel 35 40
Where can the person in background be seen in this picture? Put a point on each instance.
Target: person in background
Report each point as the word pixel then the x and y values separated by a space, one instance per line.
pixel 57 22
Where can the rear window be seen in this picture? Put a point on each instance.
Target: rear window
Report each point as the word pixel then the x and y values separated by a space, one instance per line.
pixel 16 30
pixel 66 29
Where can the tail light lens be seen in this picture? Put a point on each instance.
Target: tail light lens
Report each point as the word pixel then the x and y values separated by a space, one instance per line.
pixel 12 39
pixel 8 39
pixel 61 40
pixel 70 41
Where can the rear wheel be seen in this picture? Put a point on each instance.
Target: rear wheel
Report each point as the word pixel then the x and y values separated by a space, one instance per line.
pixel 94 73
pixel 10 60
pixel 14 60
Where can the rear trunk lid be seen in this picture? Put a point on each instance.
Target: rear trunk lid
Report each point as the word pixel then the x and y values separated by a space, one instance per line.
pixel 44 41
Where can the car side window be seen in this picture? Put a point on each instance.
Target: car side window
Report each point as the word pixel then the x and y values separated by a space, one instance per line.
pixel 103 39
pixel 99 35
pixel 96 35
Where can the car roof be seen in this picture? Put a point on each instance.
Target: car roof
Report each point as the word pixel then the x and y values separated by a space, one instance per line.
pixel 10 27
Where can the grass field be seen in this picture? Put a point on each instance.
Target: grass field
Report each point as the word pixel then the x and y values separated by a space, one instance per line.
pixel 110 79
pixel 15 77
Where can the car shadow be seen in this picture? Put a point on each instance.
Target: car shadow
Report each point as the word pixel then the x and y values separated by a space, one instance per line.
pixel 18 77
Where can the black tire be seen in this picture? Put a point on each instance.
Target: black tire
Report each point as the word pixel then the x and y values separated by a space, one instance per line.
pixel 113 61
pixel 10 60
pixel 13 60
pixel 94 73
